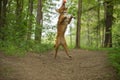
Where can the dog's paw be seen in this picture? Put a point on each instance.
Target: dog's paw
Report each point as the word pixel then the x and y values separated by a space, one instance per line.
pixel 73 17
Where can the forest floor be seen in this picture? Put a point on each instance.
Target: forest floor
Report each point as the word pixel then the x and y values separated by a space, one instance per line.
pixel 84 65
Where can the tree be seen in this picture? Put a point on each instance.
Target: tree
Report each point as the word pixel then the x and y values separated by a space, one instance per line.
pixel 19 9
pixel 19 28
pixel 98 24
pixel 3 11
pixel 108 4
pixel 1 35
pixel 78 24
pixel 39 20
pixel 30 19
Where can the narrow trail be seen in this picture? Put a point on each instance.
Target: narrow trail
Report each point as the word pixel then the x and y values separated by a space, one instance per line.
pixel 85 65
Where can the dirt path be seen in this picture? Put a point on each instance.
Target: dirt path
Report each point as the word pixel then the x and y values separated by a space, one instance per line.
pixel 85 65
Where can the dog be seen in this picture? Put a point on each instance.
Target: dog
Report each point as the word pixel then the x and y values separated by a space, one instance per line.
pixel 62 23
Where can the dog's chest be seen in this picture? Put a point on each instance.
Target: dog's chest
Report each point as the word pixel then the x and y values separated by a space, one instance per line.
pixel 67 18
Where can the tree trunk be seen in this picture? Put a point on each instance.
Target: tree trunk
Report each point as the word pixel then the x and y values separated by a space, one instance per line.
pixel 108 23
pixel 88 33
pixel 98 27
pixel 39 20
pixel 102 36
pixel 78 24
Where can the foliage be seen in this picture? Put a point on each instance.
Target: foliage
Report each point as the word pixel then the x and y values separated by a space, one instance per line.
pixel 116 32
pixel 20 24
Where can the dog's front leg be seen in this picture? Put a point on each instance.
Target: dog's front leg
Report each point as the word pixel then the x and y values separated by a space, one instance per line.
pixel 70 19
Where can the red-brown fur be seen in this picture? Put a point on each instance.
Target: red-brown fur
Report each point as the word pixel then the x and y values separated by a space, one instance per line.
pixel 63 21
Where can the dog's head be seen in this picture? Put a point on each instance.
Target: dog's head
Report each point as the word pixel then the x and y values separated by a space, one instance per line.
pixel 62 9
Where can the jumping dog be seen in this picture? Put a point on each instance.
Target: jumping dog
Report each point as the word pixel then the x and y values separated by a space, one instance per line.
pixel 62 23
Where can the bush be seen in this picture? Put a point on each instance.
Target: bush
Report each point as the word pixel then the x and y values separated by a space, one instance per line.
pixel 11 48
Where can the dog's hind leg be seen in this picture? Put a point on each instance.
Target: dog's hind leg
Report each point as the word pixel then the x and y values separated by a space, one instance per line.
pixel 65 48
pixel 56 47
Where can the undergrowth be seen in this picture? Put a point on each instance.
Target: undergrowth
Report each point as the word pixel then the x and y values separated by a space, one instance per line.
pixel 114 57
pixel 23 47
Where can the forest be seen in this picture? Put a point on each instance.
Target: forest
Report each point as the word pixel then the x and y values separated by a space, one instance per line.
pixel 30 26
